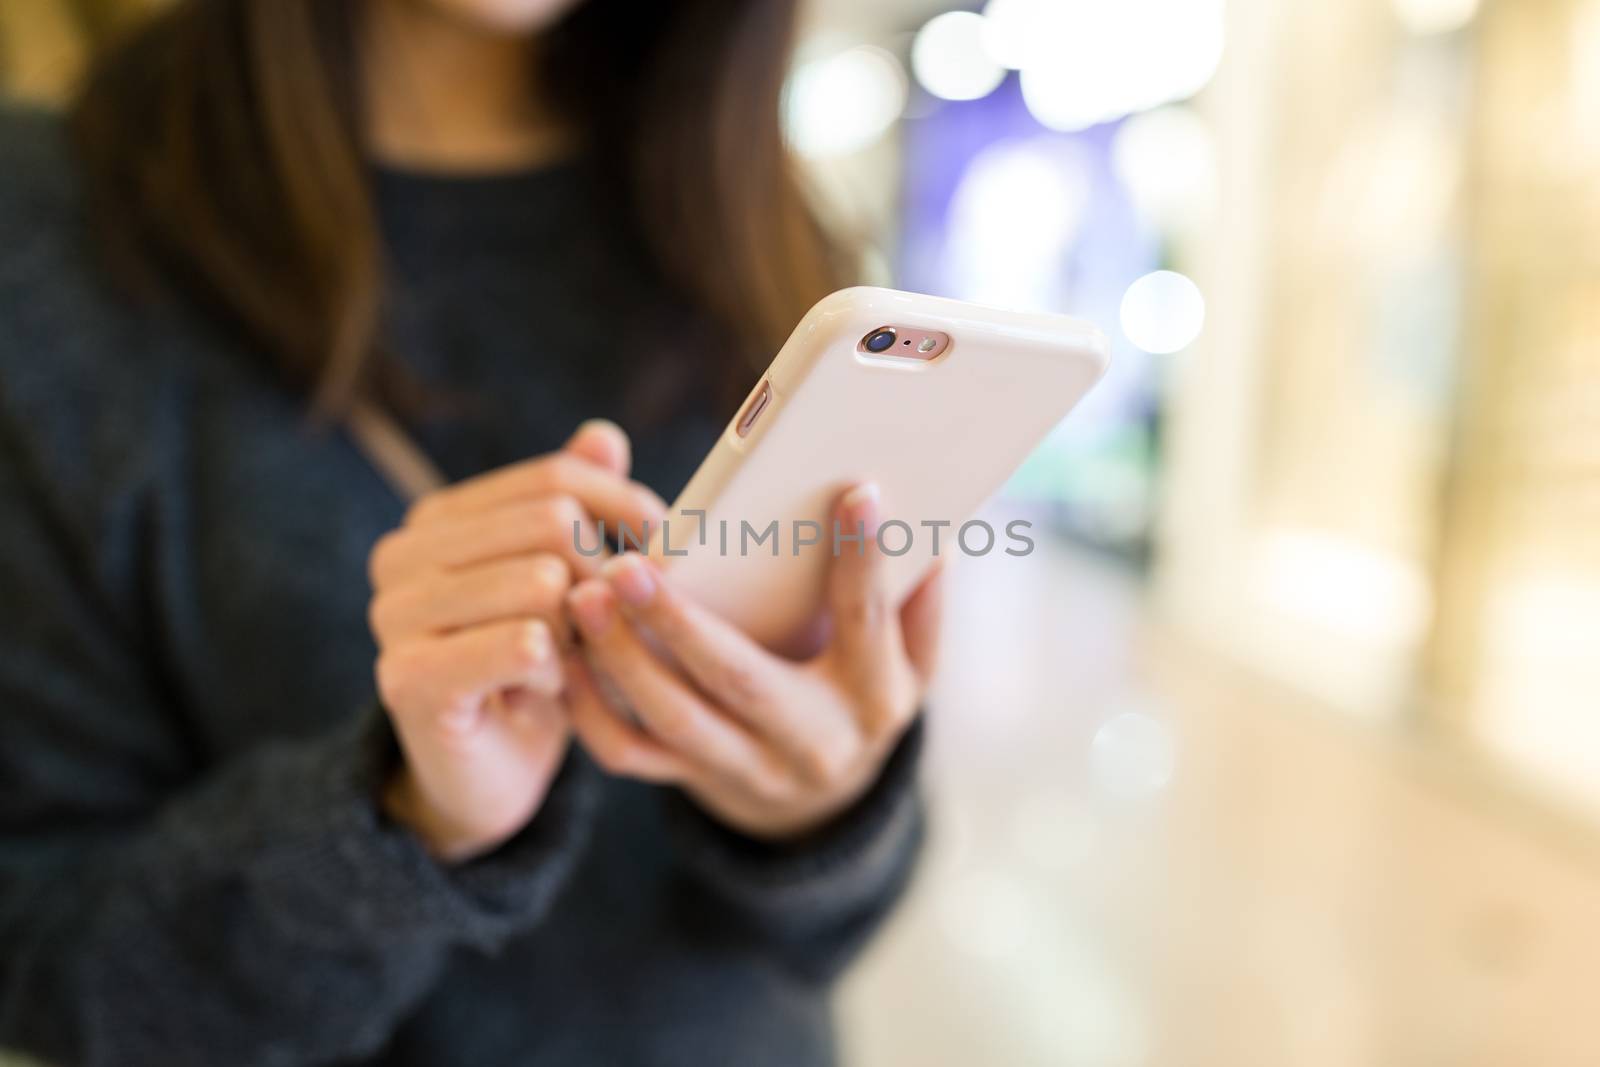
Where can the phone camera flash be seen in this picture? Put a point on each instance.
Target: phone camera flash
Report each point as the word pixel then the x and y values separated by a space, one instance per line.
pixel 926 345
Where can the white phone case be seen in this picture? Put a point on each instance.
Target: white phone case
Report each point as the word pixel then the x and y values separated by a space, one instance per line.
pixel 938 437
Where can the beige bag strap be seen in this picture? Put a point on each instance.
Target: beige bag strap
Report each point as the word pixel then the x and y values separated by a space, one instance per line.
pixel 407 469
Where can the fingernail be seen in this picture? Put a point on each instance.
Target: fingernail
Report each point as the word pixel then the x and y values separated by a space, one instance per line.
pixel 592 607
pixel 861 505
pixel 632 578
pixel 536 636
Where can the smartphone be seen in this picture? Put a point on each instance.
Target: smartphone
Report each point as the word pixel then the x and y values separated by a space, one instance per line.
pixel 936 401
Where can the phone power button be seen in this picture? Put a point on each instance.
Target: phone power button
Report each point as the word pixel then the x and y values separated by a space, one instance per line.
pixel 759 399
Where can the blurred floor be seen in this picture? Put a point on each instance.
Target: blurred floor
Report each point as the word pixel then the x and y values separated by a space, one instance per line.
pixel 1142 855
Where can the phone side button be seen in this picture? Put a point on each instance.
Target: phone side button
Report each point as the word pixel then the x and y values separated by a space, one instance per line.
pixel 753 408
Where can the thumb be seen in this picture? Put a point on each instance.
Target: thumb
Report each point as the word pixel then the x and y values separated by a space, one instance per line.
pixel 603 443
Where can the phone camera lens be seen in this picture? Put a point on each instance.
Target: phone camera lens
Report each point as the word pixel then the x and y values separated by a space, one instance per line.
pixel 879 340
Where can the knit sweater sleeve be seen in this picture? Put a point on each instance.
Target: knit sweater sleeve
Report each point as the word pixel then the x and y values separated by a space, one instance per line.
pixel 814 903
pixel 256 911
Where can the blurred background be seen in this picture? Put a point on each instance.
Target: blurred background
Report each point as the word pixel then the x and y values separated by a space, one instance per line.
pixel 1285 747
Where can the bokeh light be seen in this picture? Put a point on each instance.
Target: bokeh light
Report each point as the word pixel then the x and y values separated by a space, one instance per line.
pixel 988 914
pixel 1007 29
pixel 1084 63
pixel 1163 312
pixel 1013 218
pixel 1343 587
pixel 950 60
pixel 1167 160
pixel 1391 191
pixel 1435 16
pixel 1133 754
pixel 844 102
pixel 1541 677
pixel 1053 829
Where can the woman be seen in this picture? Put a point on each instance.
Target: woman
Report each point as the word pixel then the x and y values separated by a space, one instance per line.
pixel 273 230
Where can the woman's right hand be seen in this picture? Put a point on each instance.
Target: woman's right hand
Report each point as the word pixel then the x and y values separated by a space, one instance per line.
pixel 467 612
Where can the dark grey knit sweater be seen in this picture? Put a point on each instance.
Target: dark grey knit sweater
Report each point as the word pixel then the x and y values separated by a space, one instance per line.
pixel 192 868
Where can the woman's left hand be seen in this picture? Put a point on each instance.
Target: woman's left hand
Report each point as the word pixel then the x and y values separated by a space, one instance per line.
pixel 769 746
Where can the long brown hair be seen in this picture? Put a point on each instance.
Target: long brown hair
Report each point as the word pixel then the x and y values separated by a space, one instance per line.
pixel 222 141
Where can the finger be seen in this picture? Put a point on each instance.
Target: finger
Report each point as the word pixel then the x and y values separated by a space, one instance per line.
pixel 604 494
pixel 739 675
pixel 554 524
pixel 441 601
pixel 665 705
pixel 536 721
pixel 866 631
pixel 618 747
pixel 603 443
pixel 920 620
pixel 451 676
